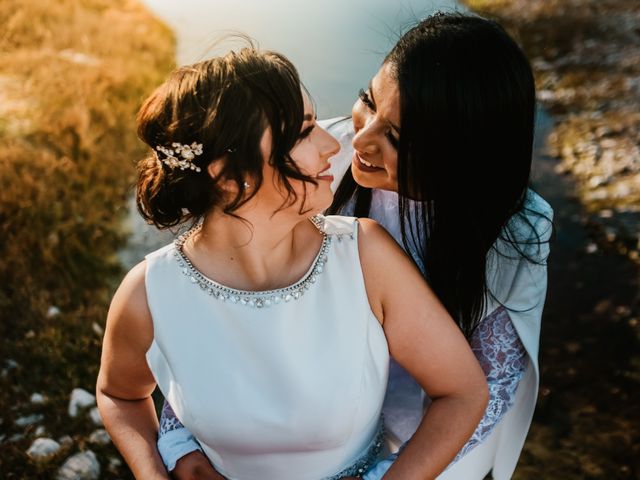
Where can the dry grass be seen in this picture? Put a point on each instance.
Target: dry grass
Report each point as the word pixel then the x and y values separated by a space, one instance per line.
pixel 72 75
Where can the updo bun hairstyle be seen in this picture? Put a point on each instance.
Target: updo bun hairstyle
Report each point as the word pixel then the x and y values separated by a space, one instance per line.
pixel 224 104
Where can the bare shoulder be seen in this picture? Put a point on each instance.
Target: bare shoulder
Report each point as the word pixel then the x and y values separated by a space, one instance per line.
pixel 129 310
pixel 378 249
pixel 385 265
pixel 373 236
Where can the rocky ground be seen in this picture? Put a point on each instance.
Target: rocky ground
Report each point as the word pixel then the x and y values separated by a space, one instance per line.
pixel 72 76
pixel 586 57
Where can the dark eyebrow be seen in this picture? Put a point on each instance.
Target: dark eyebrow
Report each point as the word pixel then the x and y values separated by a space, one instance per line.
pixel 308 117
pixel 373 100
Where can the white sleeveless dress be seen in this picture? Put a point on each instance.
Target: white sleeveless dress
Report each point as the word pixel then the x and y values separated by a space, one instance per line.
pixel 285 384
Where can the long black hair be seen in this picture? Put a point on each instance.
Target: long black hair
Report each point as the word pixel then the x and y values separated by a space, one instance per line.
pixel 467 113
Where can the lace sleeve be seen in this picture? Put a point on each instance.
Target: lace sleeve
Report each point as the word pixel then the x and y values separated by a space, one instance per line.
pixel 168 420
pixel 174 440
pixel 503 359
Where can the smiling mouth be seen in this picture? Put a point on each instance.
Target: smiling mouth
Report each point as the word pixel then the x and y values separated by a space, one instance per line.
pixel 363 164
pixel 325 174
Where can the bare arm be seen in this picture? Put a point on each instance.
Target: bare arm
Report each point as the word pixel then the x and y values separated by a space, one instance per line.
pixel 125 383
pixel 425 340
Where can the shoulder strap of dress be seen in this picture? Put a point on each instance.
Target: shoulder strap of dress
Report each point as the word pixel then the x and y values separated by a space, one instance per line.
pixel 337 225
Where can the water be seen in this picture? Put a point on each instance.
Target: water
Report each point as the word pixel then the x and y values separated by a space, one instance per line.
pixel 336 45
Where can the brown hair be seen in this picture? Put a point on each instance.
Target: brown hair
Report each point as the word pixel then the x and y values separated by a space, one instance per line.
pixel 225 104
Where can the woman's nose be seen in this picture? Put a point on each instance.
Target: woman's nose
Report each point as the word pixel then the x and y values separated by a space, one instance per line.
pixel 330 146
pixel 364 140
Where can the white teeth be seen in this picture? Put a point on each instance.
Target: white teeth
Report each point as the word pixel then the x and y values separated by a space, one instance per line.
pixel 365 163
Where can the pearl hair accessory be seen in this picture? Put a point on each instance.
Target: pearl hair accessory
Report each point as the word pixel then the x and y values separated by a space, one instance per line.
pixel 186 155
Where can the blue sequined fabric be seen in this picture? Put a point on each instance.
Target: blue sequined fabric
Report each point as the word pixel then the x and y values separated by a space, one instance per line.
pixel 371 455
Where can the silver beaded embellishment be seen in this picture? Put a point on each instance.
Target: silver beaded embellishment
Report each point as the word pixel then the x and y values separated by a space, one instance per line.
pixel 360 467
pixel 251 299
pixel 319 222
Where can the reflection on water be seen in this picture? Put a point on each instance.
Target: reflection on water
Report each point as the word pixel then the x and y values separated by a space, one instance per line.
pixel 336 45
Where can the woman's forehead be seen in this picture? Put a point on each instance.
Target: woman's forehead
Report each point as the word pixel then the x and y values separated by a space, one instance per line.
pixel 308 106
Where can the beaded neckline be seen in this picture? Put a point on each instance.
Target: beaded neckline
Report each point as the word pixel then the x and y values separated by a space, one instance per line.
pixel 255 299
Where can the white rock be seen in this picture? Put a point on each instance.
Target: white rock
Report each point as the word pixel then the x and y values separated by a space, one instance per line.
pixel 114 463
pixel 591 248
pixel 95 416
pixel 43 449
pixel 16 437
pixel 29 420
pixel 11 364
pixel 80 398
pixel 596 181
pixel 81 466
pixel 65 441
pixel 97 329
pixel 100 437
pixel 53 312
pixel 40 431
pixel 38 399
pixel 546 95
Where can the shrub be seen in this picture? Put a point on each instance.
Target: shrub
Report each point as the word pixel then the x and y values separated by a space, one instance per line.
pixel 72 76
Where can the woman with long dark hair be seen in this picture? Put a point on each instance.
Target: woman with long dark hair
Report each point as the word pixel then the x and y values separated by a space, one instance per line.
pixel 438 150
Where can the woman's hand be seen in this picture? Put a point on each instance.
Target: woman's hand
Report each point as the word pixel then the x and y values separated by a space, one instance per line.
pixel 195 466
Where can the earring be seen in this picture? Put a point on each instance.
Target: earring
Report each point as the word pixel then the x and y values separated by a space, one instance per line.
pixel 246 185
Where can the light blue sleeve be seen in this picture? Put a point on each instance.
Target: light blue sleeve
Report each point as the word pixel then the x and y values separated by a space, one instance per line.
pixel 174 440
pixel 377 471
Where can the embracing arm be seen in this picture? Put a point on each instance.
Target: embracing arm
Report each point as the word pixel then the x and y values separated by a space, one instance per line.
pixel 180 451
pixel 425 340
pixel 125 383
pixel 503 359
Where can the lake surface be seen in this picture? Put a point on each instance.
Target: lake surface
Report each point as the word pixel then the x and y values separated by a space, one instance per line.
pixel 337 45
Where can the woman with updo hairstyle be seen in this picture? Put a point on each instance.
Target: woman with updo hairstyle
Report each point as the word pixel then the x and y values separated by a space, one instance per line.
pixel 266 325
pixel 438 150
pixel 183 109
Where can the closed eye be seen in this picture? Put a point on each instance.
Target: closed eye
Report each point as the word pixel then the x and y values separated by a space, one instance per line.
pixel 306 132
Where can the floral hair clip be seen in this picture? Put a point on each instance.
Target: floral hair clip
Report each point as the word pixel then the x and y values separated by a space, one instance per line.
pixel 180 156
